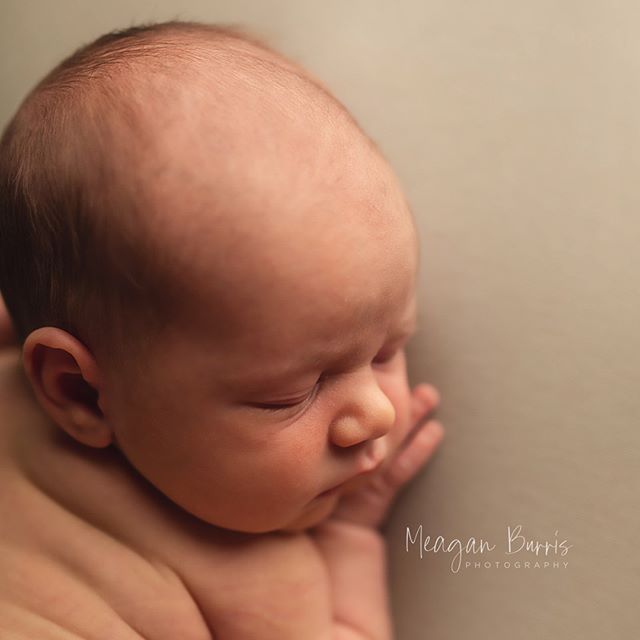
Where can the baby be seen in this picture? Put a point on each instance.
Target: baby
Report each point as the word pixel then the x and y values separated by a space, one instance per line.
pixel 211 272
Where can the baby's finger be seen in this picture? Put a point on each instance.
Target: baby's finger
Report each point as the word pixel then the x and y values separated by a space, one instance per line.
pixel 369 505
pixel 424 399
pixel 417 452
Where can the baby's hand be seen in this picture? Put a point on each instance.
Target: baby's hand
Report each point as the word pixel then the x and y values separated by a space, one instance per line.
pixel 352 547
pixel 368 505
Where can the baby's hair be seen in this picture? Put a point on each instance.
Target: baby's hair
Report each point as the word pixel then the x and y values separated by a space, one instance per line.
pixel 76 249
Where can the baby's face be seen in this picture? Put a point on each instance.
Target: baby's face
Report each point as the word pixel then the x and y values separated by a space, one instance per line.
pixel 285 374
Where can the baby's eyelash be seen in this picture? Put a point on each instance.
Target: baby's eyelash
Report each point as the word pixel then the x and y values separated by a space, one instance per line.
pixel 283 406
pixel 288 405
pixel 278 407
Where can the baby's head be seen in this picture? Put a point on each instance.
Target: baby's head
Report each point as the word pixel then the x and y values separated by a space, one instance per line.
pixel 212 269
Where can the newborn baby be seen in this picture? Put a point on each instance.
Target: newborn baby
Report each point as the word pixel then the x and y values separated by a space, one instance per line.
pixel 211 272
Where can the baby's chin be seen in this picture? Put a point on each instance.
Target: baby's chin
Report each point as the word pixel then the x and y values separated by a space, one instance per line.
pixel 310 516
pixel 324 506
pixel 315 514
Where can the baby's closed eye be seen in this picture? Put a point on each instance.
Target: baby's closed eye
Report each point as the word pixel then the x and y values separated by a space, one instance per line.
pixel 386 357
pixel 282 405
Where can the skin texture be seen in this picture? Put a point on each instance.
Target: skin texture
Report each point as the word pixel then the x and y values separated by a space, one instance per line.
pixel 317 286
pixel 297 270
pixel 317 305
pixel 184 577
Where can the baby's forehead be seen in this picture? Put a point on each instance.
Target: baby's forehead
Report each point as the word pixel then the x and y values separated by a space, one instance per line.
pixel 272 184
pixel 296 296
pixel 209 122
pixel 260 213
pixel 234 160
pixel 196 112
pixel 320 240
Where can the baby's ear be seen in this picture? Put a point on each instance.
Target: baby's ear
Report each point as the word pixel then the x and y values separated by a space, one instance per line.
pixel 65 379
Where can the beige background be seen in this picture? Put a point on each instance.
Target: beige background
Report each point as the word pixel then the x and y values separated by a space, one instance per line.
pixel 515 127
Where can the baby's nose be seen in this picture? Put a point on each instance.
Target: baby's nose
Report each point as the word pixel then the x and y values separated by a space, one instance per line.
pixel 369 415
